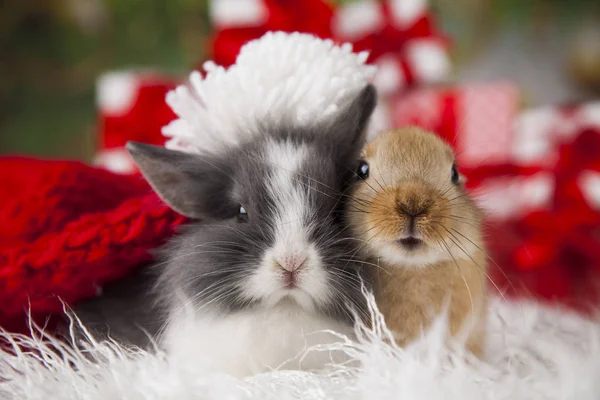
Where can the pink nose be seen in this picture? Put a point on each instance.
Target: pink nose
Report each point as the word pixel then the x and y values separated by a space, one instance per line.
pixel 291 262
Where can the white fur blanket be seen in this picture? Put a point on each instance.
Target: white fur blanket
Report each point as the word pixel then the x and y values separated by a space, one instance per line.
pixel 535 352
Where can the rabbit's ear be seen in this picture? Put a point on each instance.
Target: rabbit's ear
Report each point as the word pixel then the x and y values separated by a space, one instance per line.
pixel 350 123
pixel 188 183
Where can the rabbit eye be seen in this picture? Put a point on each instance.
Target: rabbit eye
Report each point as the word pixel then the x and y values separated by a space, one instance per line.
pixel 363 170
pixel 242 214
pixel 454 175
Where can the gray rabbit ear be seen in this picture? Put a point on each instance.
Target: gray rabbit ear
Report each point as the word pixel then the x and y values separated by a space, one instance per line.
pixel 188 183
pixel 352 120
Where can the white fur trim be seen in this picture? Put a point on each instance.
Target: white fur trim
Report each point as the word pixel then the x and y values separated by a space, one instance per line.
pixel 116 92
pixel 358 19
pixel 406 12
pixel 285 76
pixel 534 352
pixel 232 13
pixel 428 60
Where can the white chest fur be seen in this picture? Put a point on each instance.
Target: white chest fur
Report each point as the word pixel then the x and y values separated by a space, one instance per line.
pixel 250 342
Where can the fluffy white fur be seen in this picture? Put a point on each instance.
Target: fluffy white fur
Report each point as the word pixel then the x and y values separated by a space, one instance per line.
pixel 294 76
pixel 534 352
pixel 244 343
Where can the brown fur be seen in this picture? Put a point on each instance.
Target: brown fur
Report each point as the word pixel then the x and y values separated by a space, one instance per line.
pixel 410 173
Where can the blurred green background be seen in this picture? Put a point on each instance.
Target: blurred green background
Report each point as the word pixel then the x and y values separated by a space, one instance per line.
pixel 52 51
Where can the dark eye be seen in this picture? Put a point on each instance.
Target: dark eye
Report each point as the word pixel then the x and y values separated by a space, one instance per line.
pixel 242 214
pixel 454 175
pixel 363 170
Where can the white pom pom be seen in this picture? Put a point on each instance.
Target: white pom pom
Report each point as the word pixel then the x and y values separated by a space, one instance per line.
pixel 294 76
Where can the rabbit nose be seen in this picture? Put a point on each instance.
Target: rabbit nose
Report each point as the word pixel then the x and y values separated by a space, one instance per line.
pixel 291 262
pixel 412 212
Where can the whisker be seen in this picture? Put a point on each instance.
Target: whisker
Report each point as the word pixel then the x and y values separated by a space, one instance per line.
pixel 488 257
pixel 471 224
pixel 459 270
pixel 368 263
pixel 482 269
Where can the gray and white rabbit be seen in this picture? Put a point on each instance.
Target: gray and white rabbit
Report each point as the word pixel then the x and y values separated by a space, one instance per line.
pixel 269 266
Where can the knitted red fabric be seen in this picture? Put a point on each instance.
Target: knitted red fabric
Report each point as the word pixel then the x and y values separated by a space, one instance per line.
pixel 67 229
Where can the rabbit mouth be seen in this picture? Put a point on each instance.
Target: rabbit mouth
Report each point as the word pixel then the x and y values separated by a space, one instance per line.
pixel 409 251
pixel 291 281
pixel 410 243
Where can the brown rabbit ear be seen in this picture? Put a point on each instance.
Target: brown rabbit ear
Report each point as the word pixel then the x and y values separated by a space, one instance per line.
pixel 188 183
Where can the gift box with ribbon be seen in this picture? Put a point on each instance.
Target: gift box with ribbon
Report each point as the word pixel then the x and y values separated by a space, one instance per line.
pixel 544 205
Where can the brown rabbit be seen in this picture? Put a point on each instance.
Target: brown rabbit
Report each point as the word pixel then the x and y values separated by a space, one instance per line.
pixel 423 234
